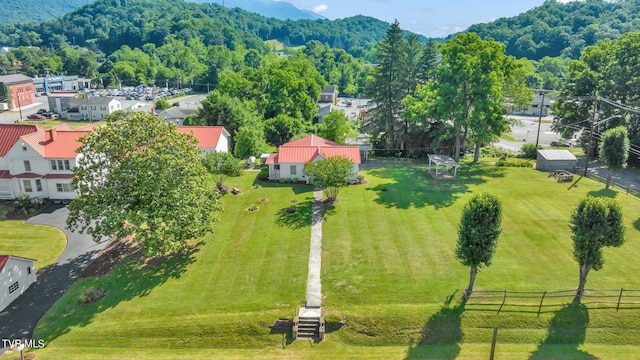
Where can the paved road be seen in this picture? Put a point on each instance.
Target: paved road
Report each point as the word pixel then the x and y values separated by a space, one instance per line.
pixel 20 318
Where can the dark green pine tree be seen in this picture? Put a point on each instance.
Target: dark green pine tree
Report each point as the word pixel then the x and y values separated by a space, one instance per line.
pixel 428 62
pixel 389 87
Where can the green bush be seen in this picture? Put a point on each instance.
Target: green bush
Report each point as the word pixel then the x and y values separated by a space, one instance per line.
pixel 514 163
pixel 493 152
pixel 264 173
pixel 530 151
pixel 223 163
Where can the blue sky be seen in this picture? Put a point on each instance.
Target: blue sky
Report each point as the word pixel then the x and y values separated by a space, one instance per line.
pixel 432 18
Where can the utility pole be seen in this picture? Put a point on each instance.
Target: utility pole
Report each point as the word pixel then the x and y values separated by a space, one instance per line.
pixel 590 145
pixel 540 118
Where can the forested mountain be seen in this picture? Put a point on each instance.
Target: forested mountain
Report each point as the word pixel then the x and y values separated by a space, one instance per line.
pixel 36 10
pixel 106 25
pixel 268 8
pixel 562 29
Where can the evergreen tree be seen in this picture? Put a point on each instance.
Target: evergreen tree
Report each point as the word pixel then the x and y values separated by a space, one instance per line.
pixel 389 86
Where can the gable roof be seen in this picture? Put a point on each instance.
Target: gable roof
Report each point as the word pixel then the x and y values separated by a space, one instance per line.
pixel 329 89
pixel 208 136
pixel 10 133
pixel 311 140
pixel 175 112
pixel 557 154
pixel 309 147
pixel 15 79
pixel 94 100
pixel 5 258
pixel 57 142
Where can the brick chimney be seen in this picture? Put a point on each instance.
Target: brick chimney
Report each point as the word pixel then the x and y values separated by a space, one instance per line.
pixel 52 134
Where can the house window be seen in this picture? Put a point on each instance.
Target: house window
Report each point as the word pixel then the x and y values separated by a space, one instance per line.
pixel 53 165
pixel 13 287
pixel 38 185
pixel 27 185
pixel 29 270
pixel 24 147
pixel 65 187
pixel 276 167
pixel 294 170
pixel 67 165
pixel 27 166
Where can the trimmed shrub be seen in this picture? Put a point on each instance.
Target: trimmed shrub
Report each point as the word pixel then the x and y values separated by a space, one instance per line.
pixel 530 151
pixel 514 163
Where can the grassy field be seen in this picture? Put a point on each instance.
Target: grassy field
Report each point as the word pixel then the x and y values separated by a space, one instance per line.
pixel 389 272
pixel 43 243
pixel 49 123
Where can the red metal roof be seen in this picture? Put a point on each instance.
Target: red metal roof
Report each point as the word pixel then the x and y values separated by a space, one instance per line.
pixel 62 144
pixel 10 133
pixel 3 261
pixel 311 140
pixel 27 175
pixel 4 174
pixel 58 176
pixel 208 136
pixel 308 148
pixel 273 159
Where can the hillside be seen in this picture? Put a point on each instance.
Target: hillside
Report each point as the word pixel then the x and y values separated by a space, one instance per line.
pixel 14 11
pixel 107 25
pixel 557 29
pixel 267 8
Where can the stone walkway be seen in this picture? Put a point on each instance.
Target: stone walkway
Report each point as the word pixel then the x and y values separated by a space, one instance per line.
pixel 314 287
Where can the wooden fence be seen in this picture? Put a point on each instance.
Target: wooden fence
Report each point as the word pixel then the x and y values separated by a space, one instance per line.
pixel 541 301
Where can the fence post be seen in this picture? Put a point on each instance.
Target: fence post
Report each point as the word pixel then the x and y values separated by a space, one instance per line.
pixel 493 343
pixel 619 299
pixel 541 300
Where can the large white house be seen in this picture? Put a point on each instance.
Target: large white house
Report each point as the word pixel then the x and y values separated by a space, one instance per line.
pixel 16 275
pixel 39 163
pixel 91 108
pixel 289 161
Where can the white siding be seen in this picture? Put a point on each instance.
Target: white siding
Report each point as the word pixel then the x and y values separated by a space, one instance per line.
pixel 15 270
pixel 223 143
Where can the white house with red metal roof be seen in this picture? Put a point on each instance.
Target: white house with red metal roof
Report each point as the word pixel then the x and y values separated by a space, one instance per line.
pixel 39 163
pixel 16 275
pixel 289 161
pixel 210 138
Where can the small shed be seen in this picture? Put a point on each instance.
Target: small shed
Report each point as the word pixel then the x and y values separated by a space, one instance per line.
pixel 329 94
pixel 552 160
pixel 16 275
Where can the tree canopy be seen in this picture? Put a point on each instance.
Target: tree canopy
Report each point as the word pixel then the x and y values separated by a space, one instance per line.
pixel 139 177
pixel 596 223
pixel 614 150
pixel 330 174
pixel 480 227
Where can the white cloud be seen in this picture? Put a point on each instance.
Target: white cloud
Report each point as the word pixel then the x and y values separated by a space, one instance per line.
pixel 319 9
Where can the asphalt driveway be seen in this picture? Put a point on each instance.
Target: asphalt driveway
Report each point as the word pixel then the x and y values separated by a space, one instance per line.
pixel 20 318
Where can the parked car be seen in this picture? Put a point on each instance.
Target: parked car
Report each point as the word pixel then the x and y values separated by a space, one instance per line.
pixel 50 115
pixel 561 143
pixel 41 111
pixel 36 117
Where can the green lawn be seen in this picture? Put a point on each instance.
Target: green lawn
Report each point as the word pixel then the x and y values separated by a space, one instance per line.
pixel 389 270
pixel 43 243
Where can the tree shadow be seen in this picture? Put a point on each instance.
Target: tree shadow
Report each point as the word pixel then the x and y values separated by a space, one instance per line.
pixel 284 328
pixel 567 331
pixel 300 215
pixel 132 278
pixel 296 216
pixel 442 334
pixel 609 193
pixel 297 188
pixel 636 224
pixel 413 186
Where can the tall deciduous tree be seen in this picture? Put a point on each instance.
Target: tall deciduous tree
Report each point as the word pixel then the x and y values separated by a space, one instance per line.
pixel 614 150
pixel 480 227
pixel 331 174
pixel 470 89
pixel 336 127
pixel 142 178
pixel 595 223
